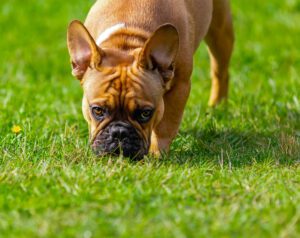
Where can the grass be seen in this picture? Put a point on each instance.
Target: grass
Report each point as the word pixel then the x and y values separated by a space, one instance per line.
pixel 232 172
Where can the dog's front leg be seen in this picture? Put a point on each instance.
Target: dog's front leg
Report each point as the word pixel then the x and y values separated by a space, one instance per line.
pixel 175 101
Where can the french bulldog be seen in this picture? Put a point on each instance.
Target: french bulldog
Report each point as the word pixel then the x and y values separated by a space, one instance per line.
pixel 134 60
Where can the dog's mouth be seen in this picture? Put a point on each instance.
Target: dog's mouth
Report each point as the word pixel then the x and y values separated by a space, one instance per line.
pixel 120 138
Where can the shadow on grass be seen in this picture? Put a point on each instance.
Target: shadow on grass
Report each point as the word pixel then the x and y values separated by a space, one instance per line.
pixel 227 148
pixel 234 148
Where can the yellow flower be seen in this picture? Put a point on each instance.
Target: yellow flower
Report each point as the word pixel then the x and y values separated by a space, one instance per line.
pixel 16 129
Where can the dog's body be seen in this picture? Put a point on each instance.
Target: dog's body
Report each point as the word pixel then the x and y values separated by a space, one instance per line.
pixel 135 59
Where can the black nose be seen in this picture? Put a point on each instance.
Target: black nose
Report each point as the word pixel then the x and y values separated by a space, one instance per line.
pixel 119 131
pixel 120 138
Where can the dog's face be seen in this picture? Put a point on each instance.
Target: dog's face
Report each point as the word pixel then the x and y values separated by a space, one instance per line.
pixel 123 92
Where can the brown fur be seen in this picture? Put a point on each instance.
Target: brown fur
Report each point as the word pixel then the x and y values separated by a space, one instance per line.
pixel 119 73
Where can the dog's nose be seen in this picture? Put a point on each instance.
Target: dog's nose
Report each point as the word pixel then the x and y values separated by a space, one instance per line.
pixel 119 132
pixel 120 138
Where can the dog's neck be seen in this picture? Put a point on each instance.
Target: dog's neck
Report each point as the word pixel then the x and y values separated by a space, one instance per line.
pixel 122 37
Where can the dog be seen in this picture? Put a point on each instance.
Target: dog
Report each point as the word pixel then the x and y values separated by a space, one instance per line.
pixel 134 60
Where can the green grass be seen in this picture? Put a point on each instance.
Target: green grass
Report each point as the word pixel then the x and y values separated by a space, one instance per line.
pixel 232 172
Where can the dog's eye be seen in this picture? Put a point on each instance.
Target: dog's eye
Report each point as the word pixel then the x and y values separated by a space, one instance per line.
pixel 145 115
pixel 98 112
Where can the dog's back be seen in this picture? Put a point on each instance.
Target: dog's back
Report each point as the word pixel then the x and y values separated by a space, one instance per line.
pixel 190 17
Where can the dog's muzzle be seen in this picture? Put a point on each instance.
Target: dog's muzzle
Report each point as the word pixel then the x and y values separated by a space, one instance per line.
pixel 120 138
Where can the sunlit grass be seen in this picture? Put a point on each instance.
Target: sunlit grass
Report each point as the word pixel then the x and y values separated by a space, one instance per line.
pixel 232 172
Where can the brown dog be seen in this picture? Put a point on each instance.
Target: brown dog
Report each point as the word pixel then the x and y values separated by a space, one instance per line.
pixel 135 58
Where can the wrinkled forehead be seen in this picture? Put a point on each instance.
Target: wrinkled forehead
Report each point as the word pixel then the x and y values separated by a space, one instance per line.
pixel 122 86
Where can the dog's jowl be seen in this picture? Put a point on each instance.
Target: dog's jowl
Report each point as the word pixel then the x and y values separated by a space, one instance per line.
pixel 134 60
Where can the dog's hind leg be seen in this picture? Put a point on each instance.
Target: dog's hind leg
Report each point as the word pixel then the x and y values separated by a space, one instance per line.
pixel 220 41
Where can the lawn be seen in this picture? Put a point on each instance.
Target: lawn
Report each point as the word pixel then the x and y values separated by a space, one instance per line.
pixel 232 172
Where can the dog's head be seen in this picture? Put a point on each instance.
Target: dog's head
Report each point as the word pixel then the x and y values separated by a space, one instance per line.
pixel 123 91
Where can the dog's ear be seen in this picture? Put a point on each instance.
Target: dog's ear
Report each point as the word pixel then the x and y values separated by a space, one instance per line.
pixel 160 51
pixel 82 48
